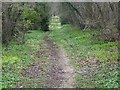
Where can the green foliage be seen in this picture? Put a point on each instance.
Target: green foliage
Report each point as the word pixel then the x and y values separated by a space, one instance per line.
pixel 43 11
pixel 13 58
pixel 81 46
pixel 16 57
pixel 29 16
pixel 54 23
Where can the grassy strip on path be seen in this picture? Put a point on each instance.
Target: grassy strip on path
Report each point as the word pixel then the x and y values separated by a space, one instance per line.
pixel 17 57
pixel 95 61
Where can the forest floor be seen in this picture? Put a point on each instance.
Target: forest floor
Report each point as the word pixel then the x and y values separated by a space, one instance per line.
pixel 59 74
pixel 64 57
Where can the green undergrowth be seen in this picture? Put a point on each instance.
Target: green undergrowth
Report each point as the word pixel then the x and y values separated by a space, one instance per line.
pixel 18 56
pixel 81 46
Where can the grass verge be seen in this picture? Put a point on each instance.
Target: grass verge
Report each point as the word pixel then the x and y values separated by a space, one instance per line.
pixel 19 56
pixel 95 61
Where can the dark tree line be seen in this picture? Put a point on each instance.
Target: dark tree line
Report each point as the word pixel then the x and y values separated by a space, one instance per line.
pixel 17 18
pixel 101 16
pixel 10 15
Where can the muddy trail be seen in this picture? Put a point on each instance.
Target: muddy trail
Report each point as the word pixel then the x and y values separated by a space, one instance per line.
pixel 51 68
pixel 61 73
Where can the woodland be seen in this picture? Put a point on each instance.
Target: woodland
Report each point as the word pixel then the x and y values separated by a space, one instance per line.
pixel 60 45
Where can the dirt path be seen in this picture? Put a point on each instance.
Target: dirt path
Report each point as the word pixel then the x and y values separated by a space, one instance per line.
pixel 61 74
pixel 57 72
